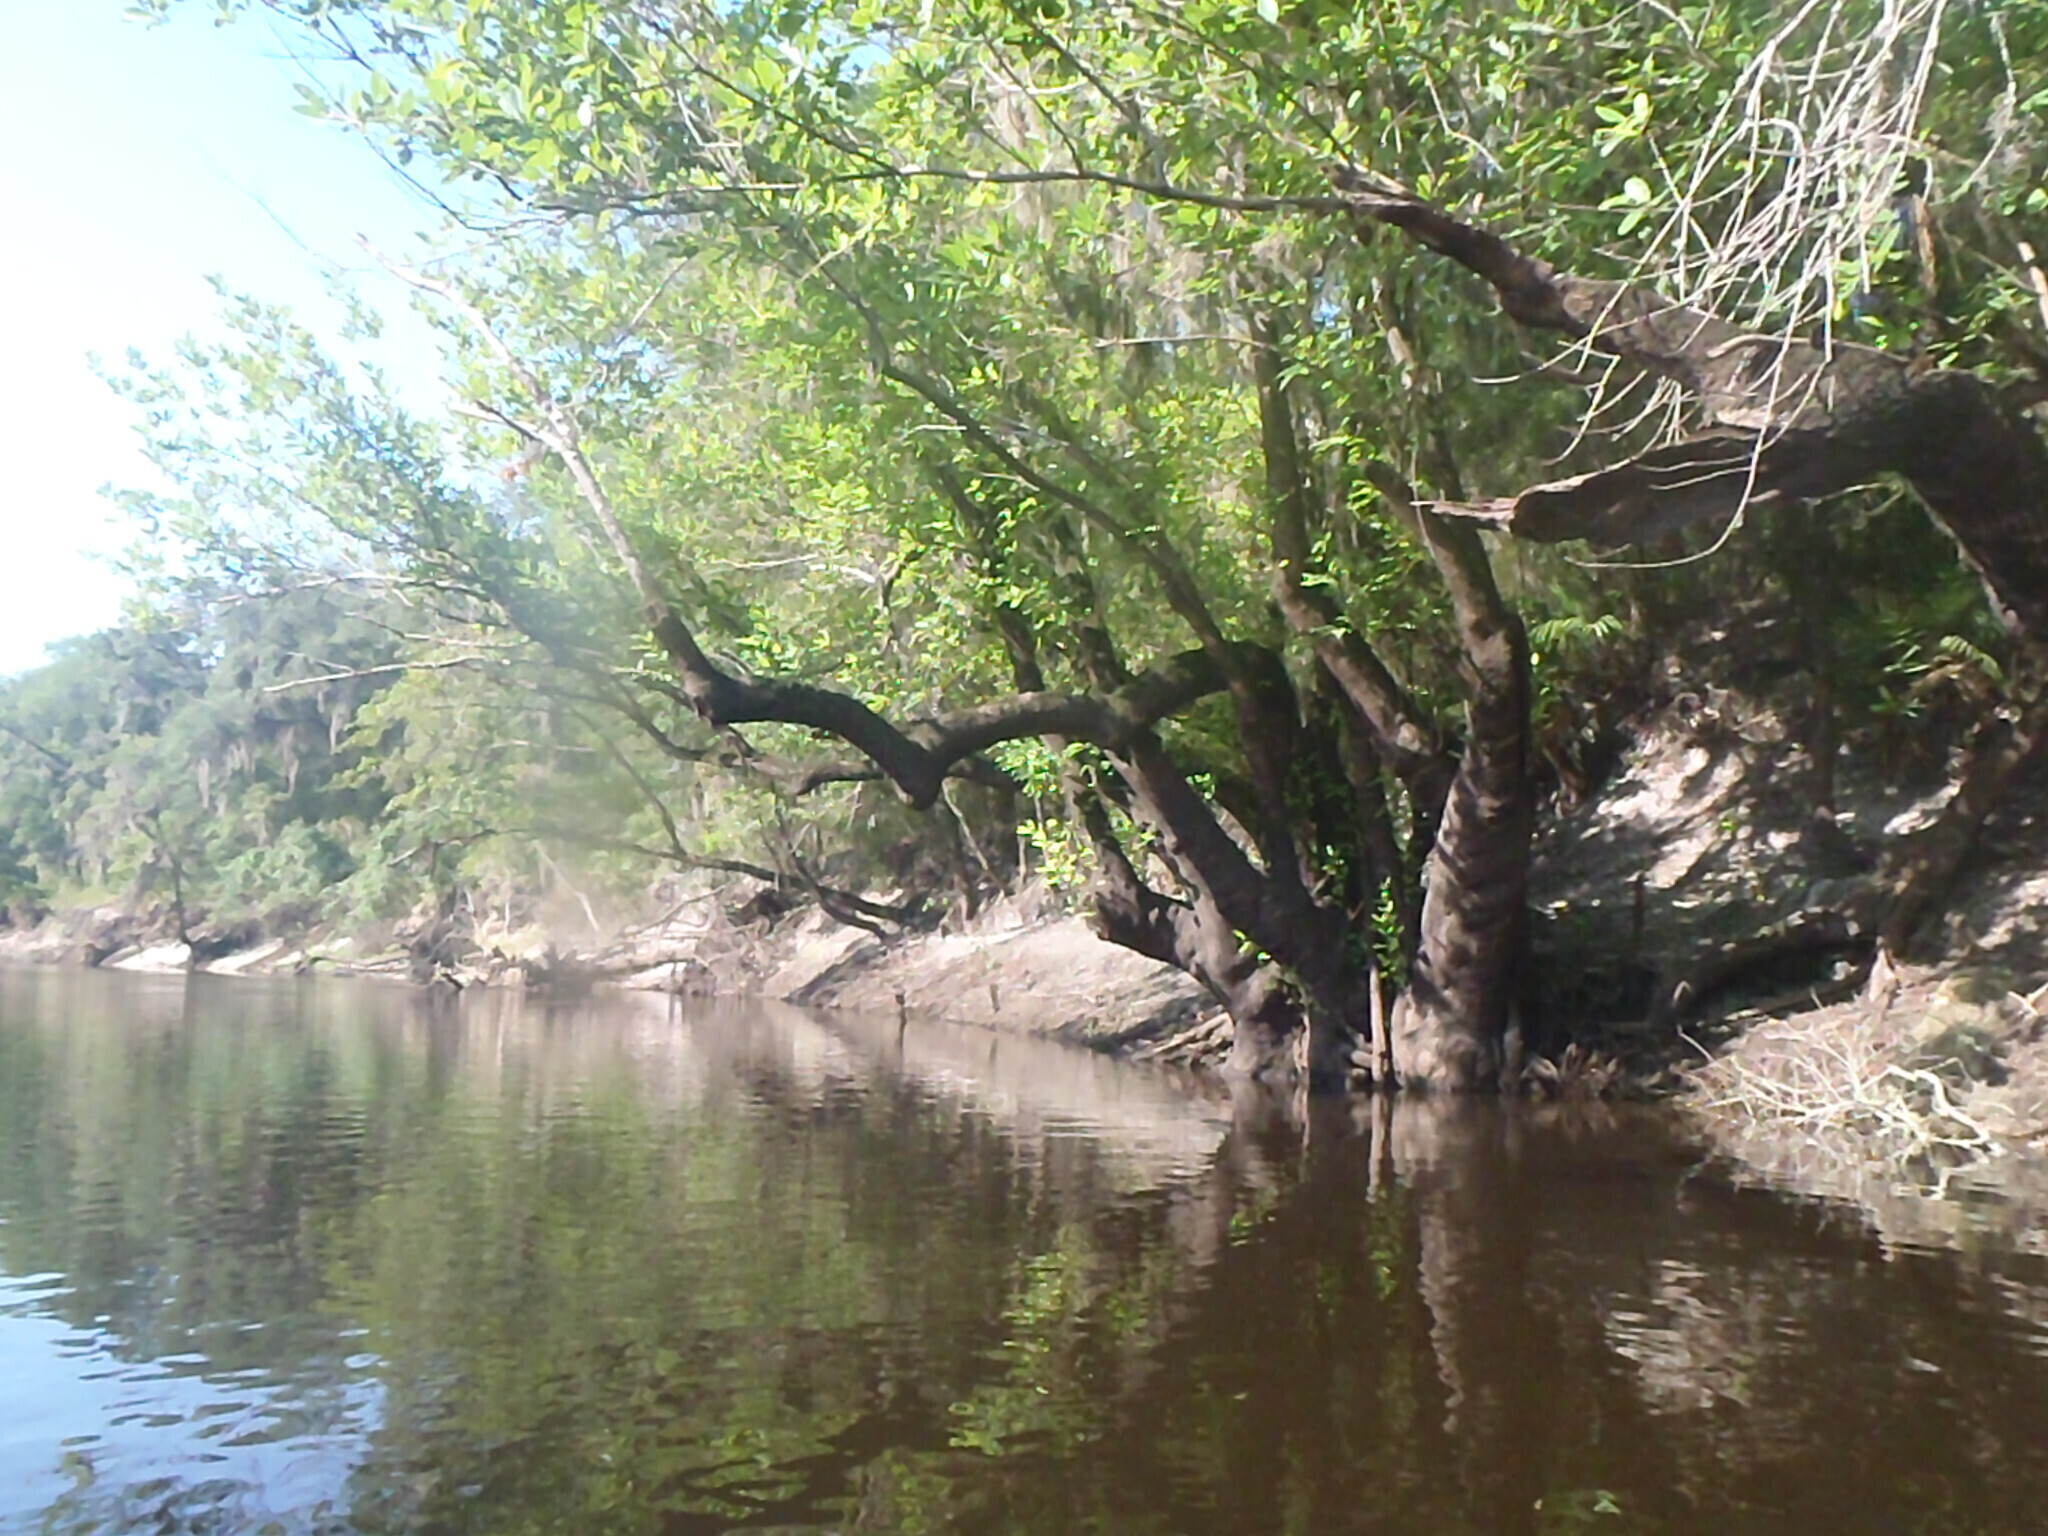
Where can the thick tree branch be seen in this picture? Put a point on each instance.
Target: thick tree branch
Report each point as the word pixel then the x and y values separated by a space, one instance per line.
pixel 916 758
pixel 1794 419
pixel 62 763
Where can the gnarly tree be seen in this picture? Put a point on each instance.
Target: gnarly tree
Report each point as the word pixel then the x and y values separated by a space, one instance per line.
pixel 1785 420
pixel 1059 303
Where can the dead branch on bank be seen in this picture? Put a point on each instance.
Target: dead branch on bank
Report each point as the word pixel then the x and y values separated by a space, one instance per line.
pixel 1839 1076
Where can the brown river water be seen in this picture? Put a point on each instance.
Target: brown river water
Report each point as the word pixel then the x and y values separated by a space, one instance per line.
pixel 330 1257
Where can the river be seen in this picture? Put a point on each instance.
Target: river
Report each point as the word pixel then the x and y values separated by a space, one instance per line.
pixel 338 1257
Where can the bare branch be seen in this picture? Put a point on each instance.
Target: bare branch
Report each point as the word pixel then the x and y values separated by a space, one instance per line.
pixel 390 669
pixel 694 199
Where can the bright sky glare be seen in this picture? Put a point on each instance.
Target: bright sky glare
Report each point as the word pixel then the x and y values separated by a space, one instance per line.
pixel 143 161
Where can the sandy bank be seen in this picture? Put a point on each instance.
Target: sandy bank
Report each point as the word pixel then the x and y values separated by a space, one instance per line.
pixel 1021 965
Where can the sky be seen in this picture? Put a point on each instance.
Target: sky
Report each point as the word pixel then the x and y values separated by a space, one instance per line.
pixel 142 160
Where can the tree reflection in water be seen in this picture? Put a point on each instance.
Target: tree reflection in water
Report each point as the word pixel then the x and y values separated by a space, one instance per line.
pixel 356 1261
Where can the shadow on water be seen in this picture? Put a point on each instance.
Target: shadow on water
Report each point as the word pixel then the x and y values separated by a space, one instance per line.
pixel 324 1257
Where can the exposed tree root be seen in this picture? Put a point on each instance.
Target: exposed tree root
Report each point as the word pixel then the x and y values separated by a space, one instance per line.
pixel 1206 1042
pixel 1806 938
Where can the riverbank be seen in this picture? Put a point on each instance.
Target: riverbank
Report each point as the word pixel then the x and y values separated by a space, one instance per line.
pixel 1701 843
pixel 1022 964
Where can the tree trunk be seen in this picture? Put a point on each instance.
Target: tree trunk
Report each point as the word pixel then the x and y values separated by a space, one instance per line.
pixel 1451 1024
pixel 1269 1035
pixel 1278 960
